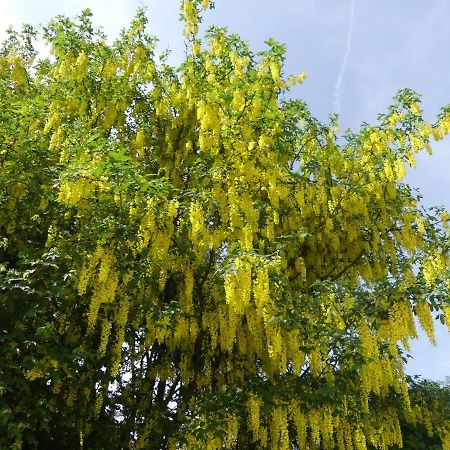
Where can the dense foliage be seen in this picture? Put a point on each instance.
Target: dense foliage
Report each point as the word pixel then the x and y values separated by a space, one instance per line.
pixel 188 259
pixel 435 397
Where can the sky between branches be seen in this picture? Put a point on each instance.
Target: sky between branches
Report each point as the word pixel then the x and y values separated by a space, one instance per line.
pixel 357 54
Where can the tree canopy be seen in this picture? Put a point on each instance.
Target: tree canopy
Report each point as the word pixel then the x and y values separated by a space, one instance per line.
pixel 189 259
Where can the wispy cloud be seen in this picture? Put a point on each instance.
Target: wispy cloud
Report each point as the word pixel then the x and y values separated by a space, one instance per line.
pixel 337 95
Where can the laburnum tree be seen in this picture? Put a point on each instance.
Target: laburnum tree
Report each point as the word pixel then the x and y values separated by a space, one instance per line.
pixel 190 260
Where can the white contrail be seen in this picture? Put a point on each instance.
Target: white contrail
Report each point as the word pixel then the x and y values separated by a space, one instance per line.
pixel 338 86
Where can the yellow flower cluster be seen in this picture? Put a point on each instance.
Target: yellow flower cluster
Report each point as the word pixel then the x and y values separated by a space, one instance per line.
pixel 106 327
pixel 446 441
pixel 432 267
pixel 34 374
pixel 72 193
pixel 18 71
pixel 423 313
pixel 191 14
pixel 81 66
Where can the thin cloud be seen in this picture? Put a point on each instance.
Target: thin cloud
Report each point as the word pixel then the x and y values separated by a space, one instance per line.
pixel 337 96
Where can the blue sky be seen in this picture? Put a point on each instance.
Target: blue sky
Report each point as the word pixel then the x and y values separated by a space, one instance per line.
pixel 357 53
